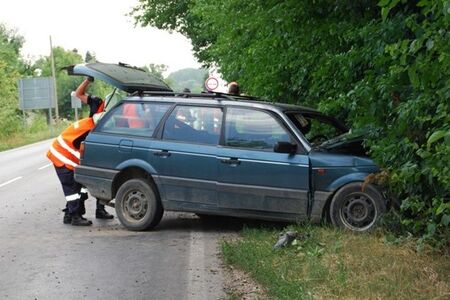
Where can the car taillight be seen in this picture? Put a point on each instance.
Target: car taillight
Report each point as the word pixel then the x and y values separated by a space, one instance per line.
pixel 81 150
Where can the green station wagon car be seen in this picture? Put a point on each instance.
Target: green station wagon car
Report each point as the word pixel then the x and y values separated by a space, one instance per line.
pixel 216 154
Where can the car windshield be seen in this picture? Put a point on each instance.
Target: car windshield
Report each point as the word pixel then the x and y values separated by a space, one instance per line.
pixel 316 127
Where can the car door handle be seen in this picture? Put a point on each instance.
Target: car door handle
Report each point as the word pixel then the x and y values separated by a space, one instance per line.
pixel 162 153
pixel 230 161
pixel 125 146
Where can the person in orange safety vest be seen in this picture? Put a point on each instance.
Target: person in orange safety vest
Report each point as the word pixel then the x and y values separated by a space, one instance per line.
pixel 65 156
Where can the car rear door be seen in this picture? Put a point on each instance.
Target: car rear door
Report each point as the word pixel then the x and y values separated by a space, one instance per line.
pixel 255 180
pixel 186 157
pixel 122 139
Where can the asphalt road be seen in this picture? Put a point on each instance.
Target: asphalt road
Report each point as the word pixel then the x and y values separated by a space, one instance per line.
pixel 41 258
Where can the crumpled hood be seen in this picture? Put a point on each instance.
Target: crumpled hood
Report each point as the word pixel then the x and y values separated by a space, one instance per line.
pixel 348 143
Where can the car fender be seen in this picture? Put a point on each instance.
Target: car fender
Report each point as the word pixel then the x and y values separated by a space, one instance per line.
pixel 139 163
pixel 145 170
pixel 341 181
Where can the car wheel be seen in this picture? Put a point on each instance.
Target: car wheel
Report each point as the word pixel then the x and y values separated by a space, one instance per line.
pixel 356 209
pixel 137 205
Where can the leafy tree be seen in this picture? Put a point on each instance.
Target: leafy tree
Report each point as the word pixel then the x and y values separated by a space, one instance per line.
pixel 12 40
pixel 383 65
pixel 156 70
pixel 415 144
pixel 90 57
pixel 65 83
pixel 10 66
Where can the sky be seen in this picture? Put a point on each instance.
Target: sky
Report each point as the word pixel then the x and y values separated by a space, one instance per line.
pixel 97 26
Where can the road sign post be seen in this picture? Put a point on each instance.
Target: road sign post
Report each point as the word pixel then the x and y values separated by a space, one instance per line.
pixel 54 81
pixel 76 104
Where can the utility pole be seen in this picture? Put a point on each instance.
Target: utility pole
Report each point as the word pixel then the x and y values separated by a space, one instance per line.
pixel 54 81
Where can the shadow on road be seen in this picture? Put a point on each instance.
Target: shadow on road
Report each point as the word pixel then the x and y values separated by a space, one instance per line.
pixel 209 223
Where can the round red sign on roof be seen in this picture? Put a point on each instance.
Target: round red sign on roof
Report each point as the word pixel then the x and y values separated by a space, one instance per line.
pixel 211 83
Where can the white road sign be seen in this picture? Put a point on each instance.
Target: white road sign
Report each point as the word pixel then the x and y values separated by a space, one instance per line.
pixel 211 83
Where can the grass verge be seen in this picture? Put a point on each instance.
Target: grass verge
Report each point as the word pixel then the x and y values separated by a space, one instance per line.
pixel 331 264
pixel 31 135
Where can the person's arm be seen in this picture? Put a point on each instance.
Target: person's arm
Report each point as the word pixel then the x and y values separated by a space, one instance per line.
pixel 81 91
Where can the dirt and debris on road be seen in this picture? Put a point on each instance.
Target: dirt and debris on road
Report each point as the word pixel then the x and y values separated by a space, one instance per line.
pixel 238 283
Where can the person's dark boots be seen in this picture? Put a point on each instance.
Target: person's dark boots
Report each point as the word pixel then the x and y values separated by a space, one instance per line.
pixel 82 208
pixel 86 219
pixel 67 219
pixel 77 220
pixel 101 213
pixel 82 211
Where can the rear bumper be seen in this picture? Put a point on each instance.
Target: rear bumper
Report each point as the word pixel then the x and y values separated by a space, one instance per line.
pixel 97 180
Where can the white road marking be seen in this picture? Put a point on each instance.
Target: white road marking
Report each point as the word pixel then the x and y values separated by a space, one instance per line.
pixel 204 272
pixel 46 166
pixel 10 181
pixel 197 286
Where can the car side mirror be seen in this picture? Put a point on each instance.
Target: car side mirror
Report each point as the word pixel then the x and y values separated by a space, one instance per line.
pixel 285 147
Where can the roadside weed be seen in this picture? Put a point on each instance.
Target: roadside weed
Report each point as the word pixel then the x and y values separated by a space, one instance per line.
pixel 325 263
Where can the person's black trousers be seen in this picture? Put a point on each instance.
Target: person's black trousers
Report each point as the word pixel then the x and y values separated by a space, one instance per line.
pixel 70 187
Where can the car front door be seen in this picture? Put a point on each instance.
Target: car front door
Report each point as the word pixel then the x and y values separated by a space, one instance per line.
pixel 253 178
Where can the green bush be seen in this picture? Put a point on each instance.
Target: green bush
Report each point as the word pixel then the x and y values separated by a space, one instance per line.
pixel 383 65
pixel 10 123
pixel 38 124
pixel 414 144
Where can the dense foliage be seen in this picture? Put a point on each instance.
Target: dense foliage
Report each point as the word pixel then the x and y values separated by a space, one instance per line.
pixel 10 64
pixel 383 65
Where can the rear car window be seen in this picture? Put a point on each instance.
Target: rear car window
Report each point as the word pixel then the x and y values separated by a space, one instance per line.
pixel 134 118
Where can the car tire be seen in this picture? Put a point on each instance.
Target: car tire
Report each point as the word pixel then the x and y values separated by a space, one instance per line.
pixel 355 208
pixel 138 206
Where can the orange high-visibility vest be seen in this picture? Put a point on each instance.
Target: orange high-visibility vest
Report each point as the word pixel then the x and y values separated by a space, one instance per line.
pixel 131 113
pixel 63 152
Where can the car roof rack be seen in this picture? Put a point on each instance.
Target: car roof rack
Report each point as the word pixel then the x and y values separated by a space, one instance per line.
pixel 215 95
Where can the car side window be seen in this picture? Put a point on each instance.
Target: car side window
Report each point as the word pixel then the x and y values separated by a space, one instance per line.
pixel 254 129
pixel 194 124
pixel 134 118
